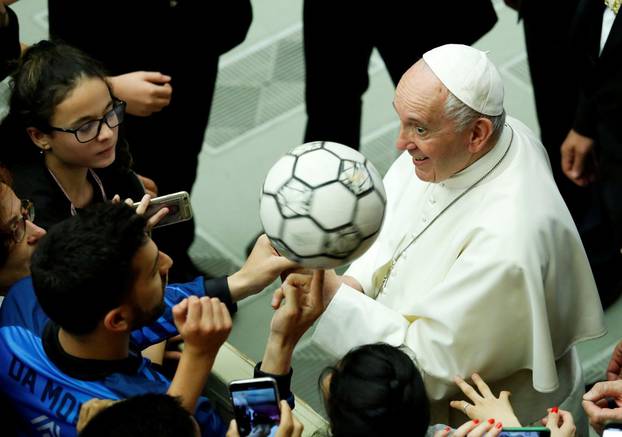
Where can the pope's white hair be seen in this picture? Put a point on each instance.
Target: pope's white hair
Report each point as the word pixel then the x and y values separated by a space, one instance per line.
pixel 464 116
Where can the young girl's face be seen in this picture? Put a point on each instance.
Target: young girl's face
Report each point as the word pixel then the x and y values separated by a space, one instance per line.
pixel 90 100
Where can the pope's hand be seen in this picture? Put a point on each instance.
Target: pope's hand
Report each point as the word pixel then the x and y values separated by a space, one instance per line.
pixel 614 370
pixel 596 406
pixel 302 294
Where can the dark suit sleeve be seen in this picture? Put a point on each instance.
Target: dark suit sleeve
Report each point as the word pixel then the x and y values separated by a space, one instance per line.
pixel 585 116
pixel 9 44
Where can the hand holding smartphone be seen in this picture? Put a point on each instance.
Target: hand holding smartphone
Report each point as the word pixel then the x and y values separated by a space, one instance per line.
pixel 255 406
pixel 178 205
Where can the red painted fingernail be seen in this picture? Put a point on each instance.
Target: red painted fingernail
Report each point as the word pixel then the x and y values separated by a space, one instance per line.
pixel 475 421
pixel 554 409
pixel 491 421
pixel 499 425
pixel 447 428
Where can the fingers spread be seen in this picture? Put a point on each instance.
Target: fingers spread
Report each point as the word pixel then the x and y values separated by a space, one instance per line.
pixel 482 386
pixel 469 391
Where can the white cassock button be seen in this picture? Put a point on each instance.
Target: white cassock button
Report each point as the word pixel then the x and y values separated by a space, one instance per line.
pixel 432 200
pixel 424 219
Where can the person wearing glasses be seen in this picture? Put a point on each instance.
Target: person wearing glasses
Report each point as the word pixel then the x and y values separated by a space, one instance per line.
pixel 18 235
pixel 61 136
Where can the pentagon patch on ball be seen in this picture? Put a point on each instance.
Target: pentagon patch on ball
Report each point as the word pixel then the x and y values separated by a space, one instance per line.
pixel 322 204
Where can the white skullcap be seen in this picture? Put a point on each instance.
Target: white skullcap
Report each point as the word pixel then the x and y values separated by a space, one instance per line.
pixel 469 75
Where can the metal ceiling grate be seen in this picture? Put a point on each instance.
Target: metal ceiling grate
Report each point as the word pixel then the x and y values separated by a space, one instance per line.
pixel 210 259
pixel 256 88
pixel 518 70
pixel 308 362
pixel 264 84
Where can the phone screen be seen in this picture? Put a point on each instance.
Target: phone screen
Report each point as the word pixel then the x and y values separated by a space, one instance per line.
pixel 520 434
pixel 256 409
pixel 612 432
pixel 525 432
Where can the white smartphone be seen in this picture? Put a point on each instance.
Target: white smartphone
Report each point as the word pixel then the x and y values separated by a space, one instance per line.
pixel 255 406
pixel 178 204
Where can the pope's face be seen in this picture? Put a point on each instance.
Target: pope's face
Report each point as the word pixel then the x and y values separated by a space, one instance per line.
pixel 437 150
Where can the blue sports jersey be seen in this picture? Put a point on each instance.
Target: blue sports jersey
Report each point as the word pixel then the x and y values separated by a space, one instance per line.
pixel 47 400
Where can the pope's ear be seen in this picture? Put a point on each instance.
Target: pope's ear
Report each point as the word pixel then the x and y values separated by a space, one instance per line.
pixel 480 135
pixel 39 138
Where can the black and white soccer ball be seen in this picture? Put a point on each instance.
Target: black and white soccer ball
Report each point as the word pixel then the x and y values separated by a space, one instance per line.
pixel 322 204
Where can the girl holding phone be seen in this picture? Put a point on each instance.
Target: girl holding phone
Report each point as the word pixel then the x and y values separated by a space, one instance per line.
pixel 62 140
pixel 61 136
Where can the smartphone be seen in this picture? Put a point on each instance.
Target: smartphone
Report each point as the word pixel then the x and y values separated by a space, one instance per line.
pixel 255 406
pixel 613 430
pixel 536 431
pixel 178 204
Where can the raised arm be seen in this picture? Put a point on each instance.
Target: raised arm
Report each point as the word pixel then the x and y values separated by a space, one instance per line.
pixel 204 324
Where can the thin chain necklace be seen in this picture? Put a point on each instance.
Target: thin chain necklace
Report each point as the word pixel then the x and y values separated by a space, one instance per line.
pixel 72 206
pixel 395 258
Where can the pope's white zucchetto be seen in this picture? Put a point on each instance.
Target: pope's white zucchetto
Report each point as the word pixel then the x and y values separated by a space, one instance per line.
pixel 469 75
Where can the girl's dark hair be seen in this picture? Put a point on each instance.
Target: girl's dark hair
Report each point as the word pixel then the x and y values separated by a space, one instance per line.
pixel 45 75
pixel 376 390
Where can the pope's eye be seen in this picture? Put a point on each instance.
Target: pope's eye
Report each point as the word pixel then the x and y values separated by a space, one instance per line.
pixel 420 130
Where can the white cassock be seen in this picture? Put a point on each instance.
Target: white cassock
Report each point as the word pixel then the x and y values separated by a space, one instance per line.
pixel 497 281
